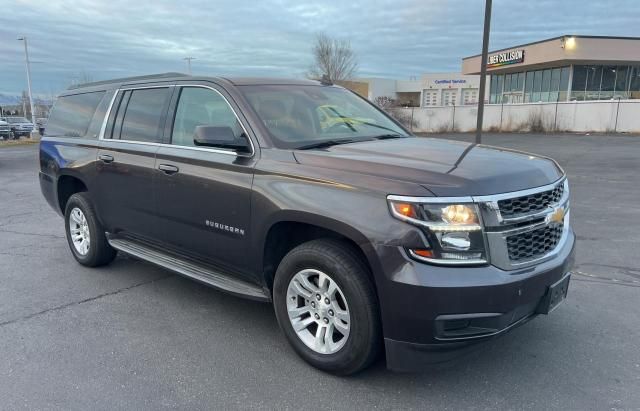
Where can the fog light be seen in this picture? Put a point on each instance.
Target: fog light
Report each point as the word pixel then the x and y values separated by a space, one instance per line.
pixel 456 241
pixel 462 256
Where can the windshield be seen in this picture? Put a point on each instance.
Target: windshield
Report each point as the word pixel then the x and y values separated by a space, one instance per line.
pixel 304 116
pixel 17 120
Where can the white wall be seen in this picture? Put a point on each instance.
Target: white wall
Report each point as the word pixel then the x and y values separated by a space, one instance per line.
pixel 577 116
pixel 380 87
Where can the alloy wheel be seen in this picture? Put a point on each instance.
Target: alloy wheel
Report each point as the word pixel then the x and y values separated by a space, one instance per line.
pixel 318 311
pixel 79 230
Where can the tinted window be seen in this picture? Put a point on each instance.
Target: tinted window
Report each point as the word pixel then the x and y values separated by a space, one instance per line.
pixel 71 115
pixel 143 115
pixel 201 107
pixel 297 116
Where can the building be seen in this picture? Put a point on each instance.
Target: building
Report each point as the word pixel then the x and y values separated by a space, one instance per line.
pixel 432 89
pixel 565 68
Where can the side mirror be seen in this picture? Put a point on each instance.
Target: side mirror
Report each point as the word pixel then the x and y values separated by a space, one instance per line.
pixel 221 137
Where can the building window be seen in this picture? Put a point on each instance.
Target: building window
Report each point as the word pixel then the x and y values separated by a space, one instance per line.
pixel 564 84
pixel 492 89
pixel 499 83
pixel 634 82
pixel 528 86
pixel 622 82
pixel 537 86
pixel 608 83
pixel 555 84
pixel 594 78
pixel 604 82
pixel 520 83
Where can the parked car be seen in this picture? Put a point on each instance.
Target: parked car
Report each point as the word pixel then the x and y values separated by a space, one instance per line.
pixel 361 235
pixel 20 126
pixel 5 131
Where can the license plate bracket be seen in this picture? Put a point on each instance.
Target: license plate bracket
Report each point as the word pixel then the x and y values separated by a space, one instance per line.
pixel 556 293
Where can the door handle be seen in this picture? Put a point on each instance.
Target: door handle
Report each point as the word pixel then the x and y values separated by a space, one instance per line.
pixel 106 158
pixel 168 168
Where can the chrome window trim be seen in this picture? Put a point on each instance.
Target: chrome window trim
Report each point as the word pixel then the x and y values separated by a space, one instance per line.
pixel 103 128
pixel 205 149
pixel 220 151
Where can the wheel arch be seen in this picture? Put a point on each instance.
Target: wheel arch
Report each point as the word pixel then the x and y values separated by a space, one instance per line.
pixel 67 185
pixel 289 229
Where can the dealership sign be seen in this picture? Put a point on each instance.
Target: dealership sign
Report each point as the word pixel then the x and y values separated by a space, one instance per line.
pixel 506 58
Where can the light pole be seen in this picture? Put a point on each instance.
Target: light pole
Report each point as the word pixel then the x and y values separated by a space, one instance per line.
pixel 189 63
pixel 26 56
pixel 483 69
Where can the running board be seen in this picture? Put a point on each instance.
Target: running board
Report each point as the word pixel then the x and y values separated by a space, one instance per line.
pixel 188 269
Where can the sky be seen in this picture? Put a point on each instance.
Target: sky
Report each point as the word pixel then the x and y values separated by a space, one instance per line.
pixel 75 40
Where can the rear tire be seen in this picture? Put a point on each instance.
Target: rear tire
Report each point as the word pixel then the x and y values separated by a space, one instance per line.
pixel 343 335
pixel 85 235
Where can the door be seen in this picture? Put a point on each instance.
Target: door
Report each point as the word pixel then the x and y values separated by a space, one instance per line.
pixel 469 96
pixel 449 97
pixel 204 193
pixel 126 162
pixel 429 98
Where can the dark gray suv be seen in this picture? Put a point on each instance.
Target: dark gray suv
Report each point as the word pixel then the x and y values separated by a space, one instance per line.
pixel 302 193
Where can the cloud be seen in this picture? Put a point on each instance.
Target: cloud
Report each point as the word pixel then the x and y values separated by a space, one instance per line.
pixel 116 38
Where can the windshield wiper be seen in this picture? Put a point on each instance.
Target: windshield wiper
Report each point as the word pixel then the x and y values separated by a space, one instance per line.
pixel 328 143
pixel 366 123
pixel 388 136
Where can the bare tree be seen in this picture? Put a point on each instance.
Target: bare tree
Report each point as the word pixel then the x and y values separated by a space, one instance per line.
pixel 384 102
pixel 333 58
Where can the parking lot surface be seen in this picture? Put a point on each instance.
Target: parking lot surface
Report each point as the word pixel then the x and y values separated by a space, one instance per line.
pixel 133 336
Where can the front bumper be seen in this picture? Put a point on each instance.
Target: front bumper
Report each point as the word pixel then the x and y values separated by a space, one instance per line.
pixel 433 314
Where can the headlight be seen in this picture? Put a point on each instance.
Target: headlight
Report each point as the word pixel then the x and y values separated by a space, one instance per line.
pixel 453 229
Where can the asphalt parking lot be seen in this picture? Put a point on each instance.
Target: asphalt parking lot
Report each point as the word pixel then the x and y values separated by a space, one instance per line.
pixel 133 336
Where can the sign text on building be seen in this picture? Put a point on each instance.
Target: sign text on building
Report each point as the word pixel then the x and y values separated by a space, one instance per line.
pixel 503 59
pixel 453 81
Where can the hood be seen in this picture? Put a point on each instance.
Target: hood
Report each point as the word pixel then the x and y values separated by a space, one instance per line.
pixel 444 167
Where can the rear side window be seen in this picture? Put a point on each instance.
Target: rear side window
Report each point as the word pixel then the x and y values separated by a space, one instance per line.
pixel 72 115
pixel 143 114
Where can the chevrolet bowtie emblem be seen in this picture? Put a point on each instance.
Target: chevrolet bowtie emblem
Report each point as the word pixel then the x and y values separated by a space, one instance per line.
pixel 557 216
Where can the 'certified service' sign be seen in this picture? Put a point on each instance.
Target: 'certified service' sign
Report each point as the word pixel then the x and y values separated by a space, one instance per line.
pixel 505 58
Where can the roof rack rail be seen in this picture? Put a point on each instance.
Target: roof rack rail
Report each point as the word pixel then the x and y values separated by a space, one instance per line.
pixel 127 79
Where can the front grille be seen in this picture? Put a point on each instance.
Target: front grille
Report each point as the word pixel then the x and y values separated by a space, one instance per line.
pixel 530 203
pixel 534 244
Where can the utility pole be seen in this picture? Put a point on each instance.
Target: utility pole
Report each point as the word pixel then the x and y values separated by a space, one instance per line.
pixel 189 63
pixel 483 69
pixel 26 56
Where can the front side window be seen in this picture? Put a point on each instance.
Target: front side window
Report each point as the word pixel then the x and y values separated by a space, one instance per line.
pixel 300 115
pixel 143 114
pixel 199 106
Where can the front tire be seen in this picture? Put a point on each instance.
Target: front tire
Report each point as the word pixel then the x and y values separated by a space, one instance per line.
pixel 326 305
pixel 85 234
